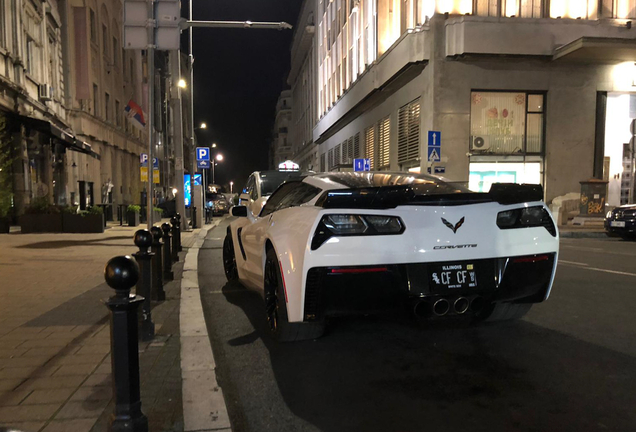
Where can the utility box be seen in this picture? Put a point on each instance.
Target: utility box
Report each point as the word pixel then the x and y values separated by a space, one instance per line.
pixel 593 198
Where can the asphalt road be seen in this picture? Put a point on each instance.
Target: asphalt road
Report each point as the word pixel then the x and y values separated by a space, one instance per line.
pixel 570 365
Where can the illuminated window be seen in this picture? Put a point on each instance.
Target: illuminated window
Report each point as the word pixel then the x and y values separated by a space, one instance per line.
pixel 384 143
pixel 369 145
pixel 507 123
pixel 409 132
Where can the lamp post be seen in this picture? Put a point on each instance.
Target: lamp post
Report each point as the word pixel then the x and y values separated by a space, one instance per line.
pixel 219 158
pixel 231 184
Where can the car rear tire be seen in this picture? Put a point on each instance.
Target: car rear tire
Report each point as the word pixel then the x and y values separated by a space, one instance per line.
pixel 505 311
pixel 276 307
pixel 229 259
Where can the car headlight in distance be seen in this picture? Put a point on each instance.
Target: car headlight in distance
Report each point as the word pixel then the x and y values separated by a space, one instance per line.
pixel 334 225
pixel 527 217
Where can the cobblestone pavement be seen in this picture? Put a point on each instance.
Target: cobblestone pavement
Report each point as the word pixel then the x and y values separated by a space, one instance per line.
pixel 55 339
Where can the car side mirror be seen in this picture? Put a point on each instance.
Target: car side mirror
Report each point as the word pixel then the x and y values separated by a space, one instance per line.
pixel 244 197
pixel 239 211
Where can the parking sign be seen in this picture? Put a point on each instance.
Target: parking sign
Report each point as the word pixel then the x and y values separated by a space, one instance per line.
pixel 203 153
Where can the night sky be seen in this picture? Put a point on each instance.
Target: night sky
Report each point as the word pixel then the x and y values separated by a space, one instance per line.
pixel 238 76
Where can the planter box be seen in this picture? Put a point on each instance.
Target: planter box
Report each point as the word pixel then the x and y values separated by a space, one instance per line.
pixel 38 223
pixel 132 218
pixel 5 225
pixel 74 223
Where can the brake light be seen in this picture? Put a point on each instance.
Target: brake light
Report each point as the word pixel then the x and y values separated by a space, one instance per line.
pixel 531 259
pixel 526 217
pixel 336 225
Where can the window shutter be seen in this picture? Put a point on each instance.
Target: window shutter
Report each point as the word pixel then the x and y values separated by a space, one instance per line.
pixel 384 131
pixel 356 146
pixel 409 132
pixel 330 160
pixel 369 145
pixel 322 162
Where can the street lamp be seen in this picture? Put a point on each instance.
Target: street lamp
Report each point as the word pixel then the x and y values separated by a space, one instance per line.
pixel 213 145
pixel 203 126
pixel 218 157
pixel 231 184
pixel 181 83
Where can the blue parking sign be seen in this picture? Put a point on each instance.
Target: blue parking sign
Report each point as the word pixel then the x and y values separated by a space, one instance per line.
pixel 362 165
pixel 203 153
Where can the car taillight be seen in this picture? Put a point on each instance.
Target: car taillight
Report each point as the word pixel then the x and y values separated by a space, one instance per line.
pixel 336 225
pixel 527 217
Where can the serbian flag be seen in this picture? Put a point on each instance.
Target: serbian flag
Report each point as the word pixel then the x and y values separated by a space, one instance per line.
pixel 135 114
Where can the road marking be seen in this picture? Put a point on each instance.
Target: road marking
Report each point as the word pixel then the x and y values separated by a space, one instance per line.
pixel 585 266
pixel 572 262
pixel 590 249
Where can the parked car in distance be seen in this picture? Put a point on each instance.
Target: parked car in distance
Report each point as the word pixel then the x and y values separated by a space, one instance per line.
pixel 261 184
pixel 218 203
pixel 621 222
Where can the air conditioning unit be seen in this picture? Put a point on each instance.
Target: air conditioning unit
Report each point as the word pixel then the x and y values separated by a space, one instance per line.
pixel 45 92
pixel 480 144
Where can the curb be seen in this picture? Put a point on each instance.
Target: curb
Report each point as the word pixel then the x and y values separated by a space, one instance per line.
pixel 204 407
pixel 582 234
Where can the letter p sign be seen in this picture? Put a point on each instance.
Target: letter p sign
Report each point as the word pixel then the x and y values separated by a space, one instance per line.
pixel 203 154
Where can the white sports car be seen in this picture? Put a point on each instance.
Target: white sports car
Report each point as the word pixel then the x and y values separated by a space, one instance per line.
pixel 334 243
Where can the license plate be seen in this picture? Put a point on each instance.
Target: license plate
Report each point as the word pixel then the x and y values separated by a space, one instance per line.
pixel 617 224
pixel 453 276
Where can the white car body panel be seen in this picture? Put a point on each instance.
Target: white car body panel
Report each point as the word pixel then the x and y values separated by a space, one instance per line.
pixel 425 239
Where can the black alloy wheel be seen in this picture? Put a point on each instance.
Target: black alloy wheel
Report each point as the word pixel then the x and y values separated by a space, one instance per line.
pixel 229 259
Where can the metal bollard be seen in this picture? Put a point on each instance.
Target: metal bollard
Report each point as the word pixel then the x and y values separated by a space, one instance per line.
pixel 168 274
pixel 178 216
pixel 157 265
pixel 121 274
pixel 143 240
pixel 175 235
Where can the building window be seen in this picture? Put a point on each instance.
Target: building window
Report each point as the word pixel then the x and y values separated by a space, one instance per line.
pixel 107 106
pixel 115 51
pixel 330 160
pixel 369 146
pixel 384 143
pixel 507 138
pixel 95 100
pixel 506 123
pixel 322 162
pixel 30 55
pixel 409 133
pixel 105 40
pixel 93 24
pixel 3 25
pixel 118 113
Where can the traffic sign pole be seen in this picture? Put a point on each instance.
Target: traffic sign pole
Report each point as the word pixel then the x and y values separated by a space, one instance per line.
pixel 151 91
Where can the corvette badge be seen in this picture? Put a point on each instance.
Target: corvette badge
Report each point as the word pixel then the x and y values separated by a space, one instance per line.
pixel 453 227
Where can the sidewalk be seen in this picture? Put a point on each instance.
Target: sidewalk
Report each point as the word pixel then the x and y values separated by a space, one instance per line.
pixel 55 340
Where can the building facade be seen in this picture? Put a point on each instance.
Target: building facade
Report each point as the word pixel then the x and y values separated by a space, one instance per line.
pixel 302 80
pixel 520 91
pixel 281 149
pixel 65 83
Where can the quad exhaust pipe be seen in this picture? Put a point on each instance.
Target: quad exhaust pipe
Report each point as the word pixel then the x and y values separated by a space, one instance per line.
pixel 441 307
pixel 461 305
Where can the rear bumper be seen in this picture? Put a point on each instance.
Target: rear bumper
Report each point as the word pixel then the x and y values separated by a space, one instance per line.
pixel 343 290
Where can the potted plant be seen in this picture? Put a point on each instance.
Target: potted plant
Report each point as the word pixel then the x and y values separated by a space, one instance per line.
pixel 158 214
pixel 83 221
pixel 132 213
pixel 6 187
pixel 41 216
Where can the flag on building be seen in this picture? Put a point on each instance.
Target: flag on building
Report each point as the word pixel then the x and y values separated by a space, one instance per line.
pixel 135 114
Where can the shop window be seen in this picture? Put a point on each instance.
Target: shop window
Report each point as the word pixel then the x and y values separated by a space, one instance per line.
pixel 505 123
pixel 483 174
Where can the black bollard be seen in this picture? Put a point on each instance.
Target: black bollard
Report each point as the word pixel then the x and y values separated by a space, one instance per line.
pixel 175 235
pixel 194 217
pixel 178 216
pixel 168 274
pixel 157 265
pixel 121 274
pixel 143 240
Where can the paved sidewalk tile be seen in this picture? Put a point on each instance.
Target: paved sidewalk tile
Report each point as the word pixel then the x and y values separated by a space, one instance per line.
pixel 55 338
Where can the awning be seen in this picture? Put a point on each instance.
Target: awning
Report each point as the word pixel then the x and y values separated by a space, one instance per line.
pixel 597 50
pixel 66 139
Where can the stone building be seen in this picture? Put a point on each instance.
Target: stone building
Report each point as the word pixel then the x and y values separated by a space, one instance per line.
pixel 280 148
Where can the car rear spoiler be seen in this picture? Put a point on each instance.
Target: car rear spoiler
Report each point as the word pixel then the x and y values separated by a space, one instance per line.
pixel 385 197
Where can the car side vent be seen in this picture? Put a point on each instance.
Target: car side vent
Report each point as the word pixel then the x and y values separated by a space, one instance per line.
pixel 313 293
